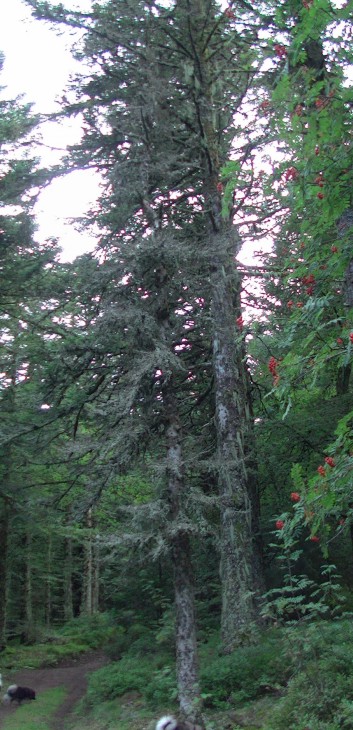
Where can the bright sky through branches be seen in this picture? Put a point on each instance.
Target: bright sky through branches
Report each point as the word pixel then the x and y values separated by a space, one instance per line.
pixel 37 65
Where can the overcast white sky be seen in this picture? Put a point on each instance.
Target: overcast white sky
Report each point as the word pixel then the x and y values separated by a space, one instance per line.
pixel 38 64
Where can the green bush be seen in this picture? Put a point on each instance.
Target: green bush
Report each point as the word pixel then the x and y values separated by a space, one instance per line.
pixel 135 641
pixel 116 644
pixel 244 674
pixel 119 677
pixel 317 698
pixel 161 690
pixel 320 692
pixel 94 631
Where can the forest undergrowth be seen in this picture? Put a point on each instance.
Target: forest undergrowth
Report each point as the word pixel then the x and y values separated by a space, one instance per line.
pixel 296 676
pixel 299 676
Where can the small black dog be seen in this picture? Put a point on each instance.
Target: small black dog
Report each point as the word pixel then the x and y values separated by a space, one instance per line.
pixel 15 692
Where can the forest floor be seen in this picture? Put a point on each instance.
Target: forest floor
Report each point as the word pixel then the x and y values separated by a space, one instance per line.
pixel 70 674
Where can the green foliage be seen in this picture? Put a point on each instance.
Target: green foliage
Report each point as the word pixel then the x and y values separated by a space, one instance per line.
pixel 320 693
pixel 90 631
pixel 76 637
pixel 136 640
pixel 299 597
pixel 161 690
pixel 130 673
pixel 245 674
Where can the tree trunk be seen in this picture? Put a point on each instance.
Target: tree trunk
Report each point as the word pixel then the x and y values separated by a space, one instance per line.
pixel 90 593
pixel 68 607
pixel 48 596
pixel 68 570
pixel 4 535
pixel 252 483
pixel 235 505
pixel 87 594
pixel 345 230
pixel 221 247
pixel 186 646
pixel 96 578
pixel 29 623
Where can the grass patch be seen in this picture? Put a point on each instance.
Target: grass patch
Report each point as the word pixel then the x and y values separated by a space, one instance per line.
pixel 129 712
pixel 36 715
pixel 76 637
pixel 40 655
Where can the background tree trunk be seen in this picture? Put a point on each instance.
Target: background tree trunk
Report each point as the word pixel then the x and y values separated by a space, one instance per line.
pixel 88 571
pixel 4 535
pixel 29 632
pixel 48 592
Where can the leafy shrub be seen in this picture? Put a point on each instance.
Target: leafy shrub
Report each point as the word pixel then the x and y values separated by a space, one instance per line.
pixel 135 641
pixel 119 677
pixel 162 688
pixel 131 673
pixel 244 674
pixel 316 698
pixel 94 631
pixel 116 643
pixel 320 694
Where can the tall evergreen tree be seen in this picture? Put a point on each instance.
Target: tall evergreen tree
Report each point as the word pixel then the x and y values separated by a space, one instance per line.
pixel 159 117
pixel 25 273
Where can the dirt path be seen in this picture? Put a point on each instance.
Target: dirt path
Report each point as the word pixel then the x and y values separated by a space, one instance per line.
pixel 69 674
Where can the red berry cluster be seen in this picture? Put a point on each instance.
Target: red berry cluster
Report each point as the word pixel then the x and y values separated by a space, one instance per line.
pixel 309 282
pixel 229 13
pixel 330 462
pixel 319 180
pixel 280 50
pixel 310 279
pixel 298 110
pixel 265 105
pixel 291 174
pixel 240 322
pixel 272 366
pixel 295 496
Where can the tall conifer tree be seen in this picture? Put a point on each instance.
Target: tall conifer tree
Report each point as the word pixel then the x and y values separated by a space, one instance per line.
pixel 158 113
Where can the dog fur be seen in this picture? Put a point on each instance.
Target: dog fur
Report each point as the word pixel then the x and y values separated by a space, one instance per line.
pixel 15 692
pixel 168 722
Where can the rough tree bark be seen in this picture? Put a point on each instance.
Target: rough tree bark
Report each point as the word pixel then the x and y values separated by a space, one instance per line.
pixel 4 534
pixel 48 592
pixel 91 579
pixel 221 246
pixel 68 571
pixel 186 645
pixel 29 621
pixel 189 694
